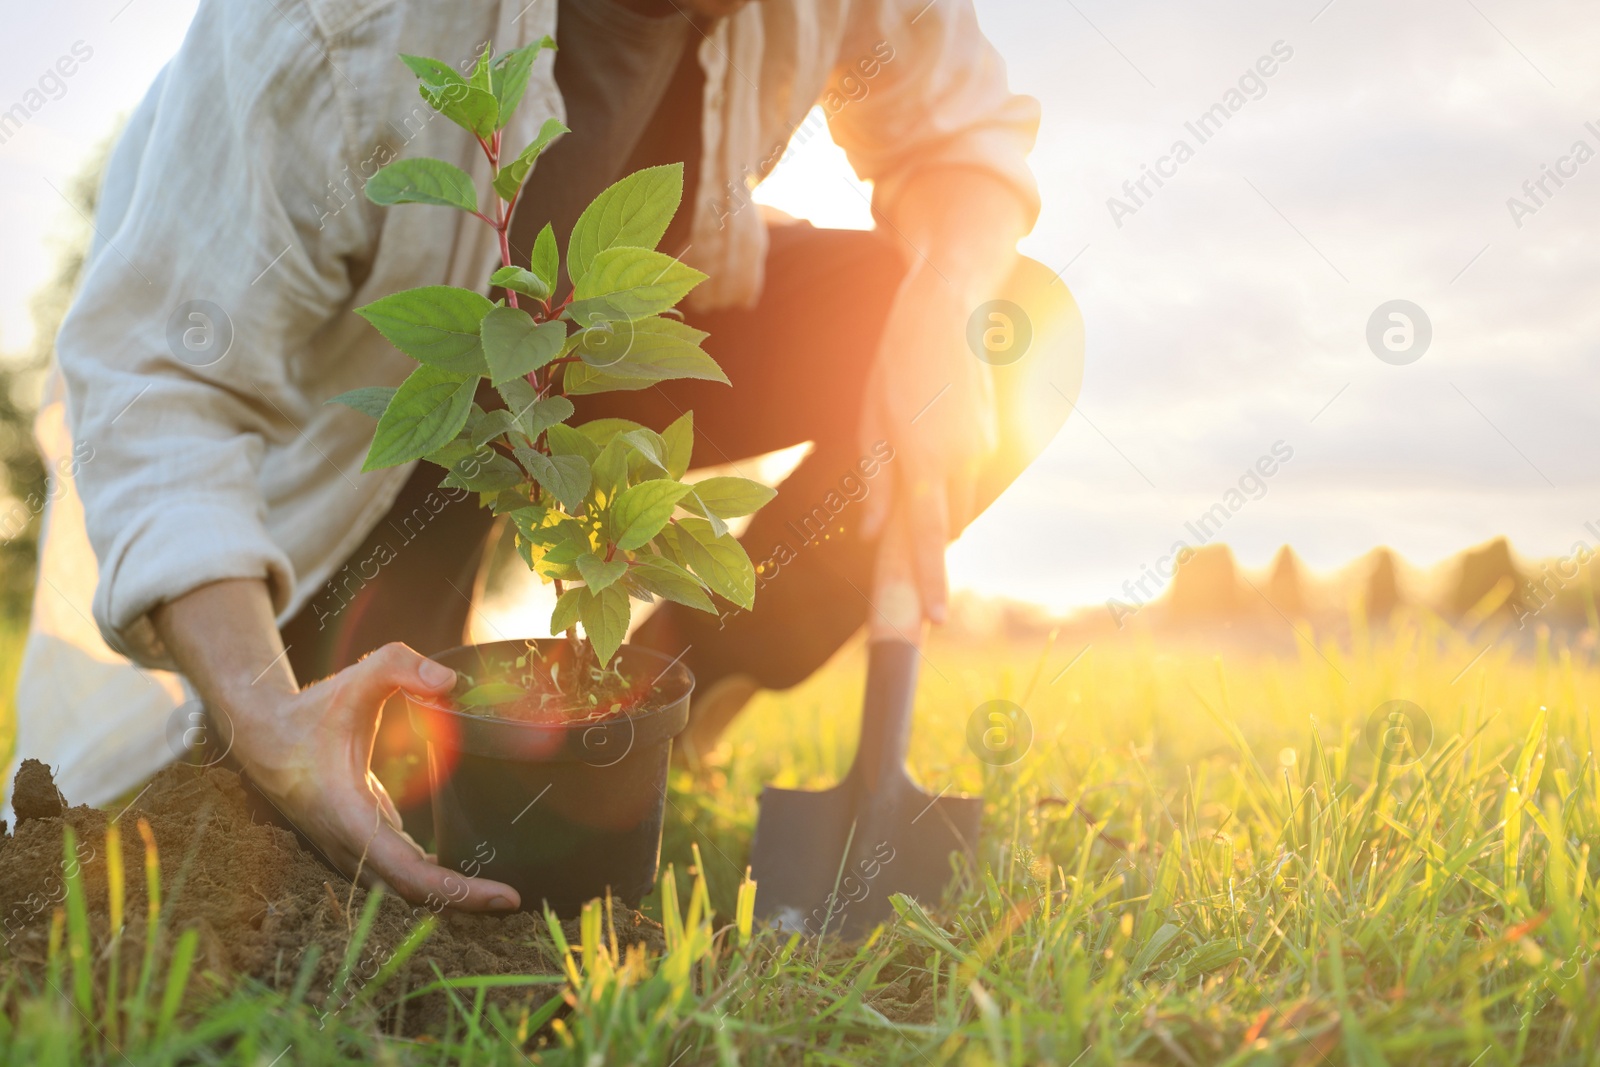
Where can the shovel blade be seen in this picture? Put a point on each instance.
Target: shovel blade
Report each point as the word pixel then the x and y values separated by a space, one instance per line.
pixel 828 862
pixel 796 854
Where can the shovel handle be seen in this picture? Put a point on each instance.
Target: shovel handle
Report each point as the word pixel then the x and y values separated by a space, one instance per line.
pixel 886 711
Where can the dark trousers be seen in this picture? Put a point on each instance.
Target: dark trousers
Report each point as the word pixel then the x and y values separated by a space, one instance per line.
pixel 798 361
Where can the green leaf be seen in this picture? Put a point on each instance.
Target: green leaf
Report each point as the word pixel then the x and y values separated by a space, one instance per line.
pixel 598 573
pixel 481 77
pixel 564 545
pixel 423 181
pixel 436 325
pixel 493 424
pixel 509 75
pixel 666 543
pixel 1154 949
pixel 518 394
pixel 451 452
pixel 657 350
pixel 635 211
pixel 647 444
pixel 727 498
pixel 546 258
pixel 565 617
pixel 602 431
pixel 640 511
pixel 515 345
pixel 369 399
pixel 605 343
pixel 564 477
pixel 719 561
pixel 529 520
pixel 570 441
pixel 631 283
pixel 491 693
pixel 611 468
pixel 533 416
pixel 545 415
pixel 631 585
pixel 521 280
pixel 666 579
pixel 471 108
pixel 509 500
pixel 484 472
pixel 428 410
pixel 605 619
pixel 433 71
pixel 678 442
pixel 508 180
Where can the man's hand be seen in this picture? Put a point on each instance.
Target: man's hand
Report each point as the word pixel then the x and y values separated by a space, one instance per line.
pixel 933 402
pixel 928 394
pixel 309 751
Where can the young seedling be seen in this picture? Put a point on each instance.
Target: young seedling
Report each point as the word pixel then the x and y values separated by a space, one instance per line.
pixel 600 509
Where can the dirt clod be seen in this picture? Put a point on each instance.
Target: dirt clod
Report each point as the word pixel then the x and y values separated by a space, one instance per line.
pixel 35 795
pixel 265 908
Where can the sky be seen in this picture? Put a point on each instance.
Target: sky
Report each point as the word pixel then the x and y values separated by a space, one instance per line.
pixel 1227 309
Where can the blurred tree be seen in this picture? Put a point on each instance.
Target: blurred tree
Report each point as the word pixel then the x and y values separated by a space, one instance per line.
pixel 1487 583
pixel 1383 586
pixel 1286 584
pixel 21 380
pixel 1206 586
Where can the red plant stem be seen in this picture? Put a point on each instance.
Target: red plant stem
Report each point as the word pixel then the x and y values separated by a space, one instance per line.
pixel 502 225
pixel 502 229
pixel 505 260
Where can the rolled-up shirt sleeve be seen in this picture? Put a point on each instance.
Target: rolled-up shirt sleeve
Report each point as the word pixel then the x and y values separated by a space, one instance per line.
pixel 220 250
pixel 917 87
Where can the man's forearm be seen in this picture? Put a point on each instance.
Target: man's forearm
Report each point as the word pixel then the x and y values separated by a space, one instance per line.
pixel 963 224
pixel 224 638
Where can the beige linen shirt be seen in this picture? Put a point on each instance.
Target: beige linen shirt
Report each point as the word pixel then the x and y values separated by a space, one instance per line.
pixel 232 242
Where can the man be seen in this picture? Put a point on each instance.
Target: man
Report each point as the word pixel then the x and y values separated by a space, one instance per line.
pixel 214 323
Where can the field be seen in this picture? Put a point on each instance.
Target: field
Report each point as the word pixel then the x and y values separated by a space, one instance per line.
pixel 1200 860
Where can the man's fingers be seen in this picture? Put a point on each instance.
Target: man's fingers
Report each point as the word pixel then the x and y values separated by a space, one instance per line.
pixel 896 608
pixel 929 534
pixel 397 861
pixel 963 489
pixel 876 507
pixel 367 684
pixel 386 808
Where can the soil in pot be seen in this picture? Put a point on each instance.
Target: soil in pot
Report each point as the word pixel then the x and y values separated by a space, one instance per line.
pixel 560 798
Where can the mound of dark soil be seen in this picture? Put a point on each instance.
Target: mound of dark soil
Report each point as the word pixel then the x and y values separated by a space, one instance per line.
pixel 261 903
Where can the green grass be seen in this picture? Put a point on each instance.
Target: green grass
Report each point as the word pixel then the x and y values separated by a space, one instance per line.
pixel 1256 887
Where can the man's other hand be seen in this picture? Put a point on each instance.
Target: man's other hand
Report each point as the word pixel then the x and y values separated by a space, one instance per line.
pixel 309 751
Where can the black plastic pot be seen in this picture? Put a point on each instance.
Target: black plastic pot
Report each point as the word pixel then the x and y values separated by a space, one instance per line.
pixel 559 812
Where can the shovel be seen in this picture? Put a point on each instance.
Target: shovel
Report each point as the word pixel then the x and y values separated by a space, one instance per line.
pixel 827 862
